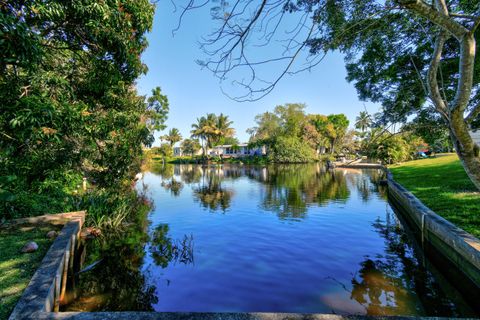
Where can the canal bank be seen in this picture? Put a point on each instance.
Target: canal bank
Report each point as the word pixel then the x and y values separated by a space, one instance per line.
pixel 221 190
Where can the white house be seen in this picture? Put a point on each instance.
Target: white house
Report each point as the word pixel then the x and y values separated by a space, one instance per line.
pixel 227 151
pixel 239 150
pixel 178 152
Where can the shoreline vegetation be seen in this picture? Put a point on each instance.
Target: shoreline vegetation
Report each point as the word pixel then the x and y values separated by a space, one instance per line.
pixel 248 160
pixel 442 185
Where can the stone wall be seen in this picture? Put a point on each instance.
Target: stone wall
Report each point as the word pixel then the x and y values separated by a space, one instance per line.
pixel 47 286
pixel 459 247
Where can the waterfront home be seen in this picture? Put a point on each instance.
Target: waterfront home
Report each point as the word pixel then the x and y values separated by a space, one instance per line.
pixel 178 152
pixel 227 151
pixel 238 150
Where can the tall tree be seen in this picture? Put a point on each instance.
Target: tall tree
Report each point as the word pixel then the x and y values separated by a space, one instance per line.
pixel 333 127
pixel 68 102
pixel 173 136
pixel 190 146
pixel 206 130
pixel 224 128
pixel 405 54
pixel 363 121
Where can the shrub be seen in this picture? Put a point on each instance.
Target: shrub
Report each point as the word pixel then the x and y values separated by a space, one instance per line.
pixel 291 150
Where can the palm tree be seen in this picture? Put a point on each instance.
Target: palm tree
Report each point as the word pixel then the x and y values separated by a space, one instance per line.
pixel 224 126
pixel 363 121
pixel 206 130
pixel 173 136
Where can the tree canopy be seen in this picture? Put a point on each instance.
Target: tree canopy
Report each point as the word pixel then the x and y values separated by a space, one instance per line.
pixel 69 107
pixel 293 136
pixel 172 137
pixel 212 130
pixel 407 55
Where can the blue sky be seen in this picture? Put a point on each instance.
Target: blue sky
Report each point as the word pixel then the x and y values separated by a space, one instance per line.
pixel 193 92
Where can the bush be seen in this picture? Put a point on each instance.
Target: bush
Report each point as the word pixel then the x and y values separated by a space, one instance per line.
pixel 112 211
pixel 291 150
pixel 391 149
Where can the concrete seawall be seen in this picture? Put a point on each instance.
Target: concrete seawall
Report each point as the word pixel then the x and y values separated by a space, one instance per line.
pixel 47 286
pixel 459 247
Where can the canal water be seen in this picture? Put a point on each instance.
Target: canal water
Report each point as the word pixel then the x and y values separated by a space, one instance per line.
pixel 285 238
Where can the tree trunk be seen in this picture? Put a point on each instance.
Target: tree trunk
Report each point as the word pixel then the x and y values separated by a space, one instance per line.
pixel 332 146
pixel 466 149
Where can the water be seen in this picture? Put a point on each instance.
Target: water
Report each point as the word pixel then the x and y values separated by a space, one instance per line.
pixel 292 238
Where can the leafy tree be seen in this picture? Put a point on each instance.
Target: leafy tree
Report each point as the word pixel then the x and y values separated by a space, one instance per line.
pixel 292 118
pixel 363 121
pixel 391 148
pixel 190 146
pixel 432 129
pixel 340 125
pixel 165 150
pixel 212 129
pixel 404 54
pixel 333 127
pixel 228 141
pixel 157 110
pixel 291 150
pixel 267 128
pixel 290 121
pixel 69 107
pixel 172 137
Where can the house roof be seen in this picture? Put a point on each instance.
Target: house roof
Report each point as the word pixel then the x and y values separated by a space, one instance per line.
pixel 231 145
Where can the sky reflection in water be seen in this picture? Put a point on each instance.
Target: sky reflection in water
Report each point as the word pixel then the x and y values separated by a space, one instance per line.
pixel 292 238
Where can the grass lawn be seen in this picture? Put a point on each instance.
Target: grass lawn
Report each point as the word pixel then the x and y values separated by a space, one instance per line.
pixel 442 185
pixel 17 268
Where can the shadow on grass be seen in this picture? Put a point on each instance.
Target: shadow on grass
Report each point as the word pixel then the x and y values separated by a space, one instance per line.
pixel 443 186
pixel 17 268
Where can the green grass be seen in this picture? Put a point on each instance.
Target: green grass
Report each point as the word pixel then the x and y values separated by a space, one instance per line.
pixel 442 185
pixel 16 268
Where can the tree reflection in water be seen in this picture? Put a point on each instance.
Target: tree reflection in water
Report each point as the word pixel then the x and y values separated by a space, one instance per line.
pixel 288 189
pixel 116 283
pixel 210 192
pixel 165 250
pixel 385 285
pixel 173 185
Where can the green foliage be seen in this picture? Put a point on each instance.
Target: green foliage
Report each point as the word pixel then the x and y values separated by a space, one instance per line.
pixel 228 140
pixel 110 210
pixel 69 107
pixel 172 137
pixel 190 146
pixel 392 148
pixel 442 184
pixel 211 129
pixel 288 126
pixel 165 150
pixel 291 150
pixel 433 130
pixel 157 110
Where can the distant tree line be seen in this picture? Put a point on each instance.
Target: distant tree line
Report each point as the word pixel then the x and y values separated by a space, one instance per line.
pixel 292 136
